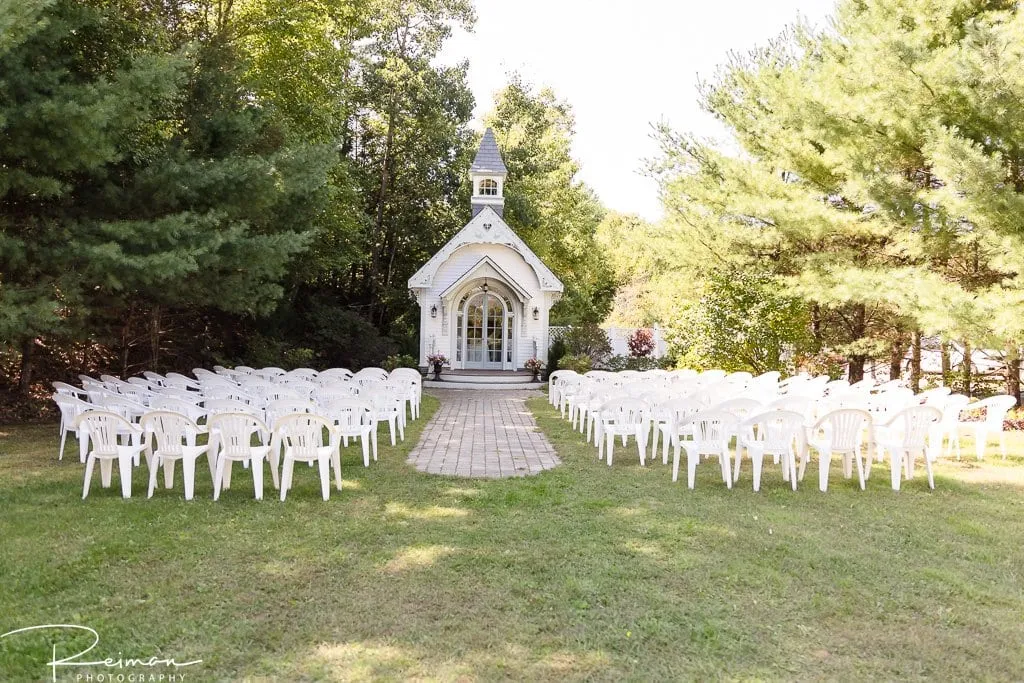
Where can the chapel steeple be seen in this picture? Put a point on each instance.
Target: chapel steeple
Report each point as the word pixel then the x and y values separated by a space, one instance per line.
pixel 488 175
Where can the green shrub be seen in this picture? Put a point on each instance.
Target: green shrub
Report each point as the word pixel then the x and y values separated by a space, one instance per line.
pixel 588 340
pixel 580 363
pixel 555 355
pixel 401 360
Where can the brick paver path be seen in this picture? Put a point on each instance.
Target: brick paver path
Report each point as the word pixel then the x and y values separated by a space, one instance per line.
pixel 483 434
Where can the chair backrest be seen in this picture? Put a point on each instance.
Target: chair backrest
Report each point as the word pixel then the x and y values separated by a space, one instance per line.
pixel 302 387
pixel 69 389
pixel 224 392
pixel 177 405
pixel 740 407
pixel 842 428
pixel 866 384
pixel 103 428
pixel 935 397
pixel 954 405
pixel 335 391
pixel 914 423
pixel 183 394
pixel 408 374
pixel 678 411
pixel 332 374
pixel 235 431
pixel 624 411
pixel 171 430
pixel 349 413
pixel 996 408
pixel 215 406
pixel 776 430
pixel 200 373
pixel 122 405
pixel 712 428
pixel 268 372
pixel 278 409
pixel 377 374
pixel 153 377
pixel 713 375
pixel 794 403
pixel 302 434
pixel 247 370
pixel 303 373
pixel 70 407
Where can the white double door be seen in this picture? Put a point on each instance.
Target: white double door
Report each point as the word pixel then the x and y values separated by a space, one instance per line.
pixel 486 332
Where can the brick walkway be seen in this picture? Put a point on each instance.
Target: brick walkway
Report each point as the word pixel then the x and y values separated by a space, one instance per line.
pixel 483 434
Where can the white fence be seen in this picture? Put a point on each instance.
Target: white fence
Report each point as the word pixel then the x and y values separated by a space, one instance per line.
pixel 619 337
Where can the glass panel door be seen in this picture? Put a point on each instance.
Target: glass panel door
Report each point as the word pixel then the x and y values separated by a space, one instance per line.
pixel 475 331
pixel 485 330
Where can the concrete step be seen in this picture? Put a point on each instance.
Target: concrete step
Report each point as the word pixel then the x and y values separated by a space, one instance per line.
pixel 480 386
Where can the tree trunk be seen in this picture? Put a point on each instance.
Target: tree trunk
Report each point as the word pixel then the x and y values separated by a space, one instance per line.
pixel 856 368
pixel 946 368
pixel 154 338
pixel 896 353
pixel 27 365
pixel 966 369
pixel 816 327
pixel 1013 372
pixel 915 362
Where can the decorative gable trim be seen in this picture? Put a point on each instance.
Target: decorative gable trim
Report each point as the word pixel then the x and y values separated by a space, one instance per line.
pixel 476 272
pixel 487 227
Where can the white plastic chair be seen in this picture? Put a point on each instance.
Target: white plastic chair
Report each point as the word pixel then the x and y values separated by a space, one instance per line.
pixel 624 418
pixel 70 408
pixel 231 441
pixel 104 429
pixel 905 435
pixel 388 406
pixel 948 429
pixel 839 433
pixel 175 437
pixel 779 433
pixel 303 440
pixel 669 419
pixel 353 419
pixel 710 432
pixel 995 408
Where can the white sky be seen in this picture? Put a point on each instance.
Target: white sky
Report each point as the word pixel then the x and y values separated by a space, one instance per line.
pixel 622 65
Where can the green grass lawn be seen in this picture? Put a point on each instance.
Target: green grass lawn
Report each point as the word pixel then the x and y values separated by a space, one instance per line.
pixel 585 571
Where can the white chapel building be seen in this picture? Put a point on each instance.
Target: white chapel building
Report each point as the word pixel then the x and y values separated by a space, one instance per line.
pixel 485 296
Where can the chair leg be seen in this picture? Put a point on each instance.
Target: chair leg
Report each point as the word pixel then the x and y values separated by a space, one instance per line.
pixel 373 442
pixel 980 441
pixel 89 463
pixel 63 438
pixel 675 465
pixel 218 478
pixel 736 465
pixel 792 469
pixel 83 445
pixel 257 476
pixel 153 467
pixel 336 462
pixel 1002 443
pixel 286 476
pixel 641 446
pixel 928 469
pixel 124 465
pixel 723 459
pixel 896 467
pixel 225 477
pixel 188 475
pixel 391 427
pixel 860 468
pixel 757 461
pixel 324 464
pixel 611 447
pixel 692 457
pixel 364 441
pixel 847 465
pixel 824 460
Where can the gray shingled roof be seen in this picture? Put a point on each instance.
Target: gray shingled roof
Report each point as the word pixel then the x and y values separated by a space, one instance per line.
pixel 488 157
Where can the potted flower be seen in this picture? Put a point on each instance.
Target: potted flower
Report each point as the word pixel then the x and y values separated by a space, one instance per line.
pixel 437 362
pixel 534 365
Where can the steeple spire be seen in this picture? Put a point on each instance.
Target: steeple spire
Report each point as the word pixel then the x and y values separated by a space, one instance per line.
pixel 488 174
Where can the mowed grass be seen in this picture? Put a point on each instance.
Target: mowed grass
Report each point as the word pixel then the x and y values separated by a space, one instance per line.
pixel 583 572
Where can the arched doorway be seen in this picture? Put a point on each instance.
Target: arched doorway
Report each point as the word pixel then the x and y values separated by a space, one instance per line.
pixel 486 332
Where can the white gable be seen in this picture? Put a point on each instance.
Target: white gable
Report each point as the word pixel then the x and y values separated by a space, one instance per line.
pixel 487 227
